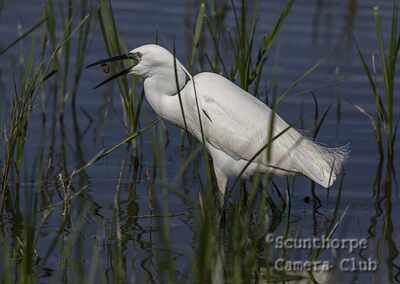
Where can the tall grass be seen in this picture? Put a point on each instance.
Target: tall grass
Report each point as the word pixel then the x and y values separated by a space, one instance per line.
pixel 131 101
pixel 382 75
pixel 57 232
pixel 383 119
pixel 234 250
pixel 244 66
pixel 22 255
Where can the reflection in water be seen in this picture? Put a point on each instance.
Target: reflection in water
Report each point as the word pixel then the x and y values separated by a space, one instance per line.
pixel 302 278
pixel 145 213
pixel 348 23
pixel 324 12
pixel 383 241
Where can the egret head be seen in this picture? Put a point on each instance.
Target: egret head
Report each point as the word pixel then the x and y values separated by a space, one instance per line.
pixel 147 61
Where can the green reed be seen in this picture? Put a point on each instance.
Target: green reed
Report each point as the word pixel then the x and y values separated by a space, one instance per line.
pixel 24 91
pixel 228 245
pixel 234 250
pixel 245 66
pixel 22 256
pixel 384 95
pixel 131 101
pixel 382 80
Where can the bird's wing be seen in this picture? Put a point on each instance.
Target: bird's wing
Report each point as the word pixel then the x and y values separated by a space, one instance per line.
pixel 236 122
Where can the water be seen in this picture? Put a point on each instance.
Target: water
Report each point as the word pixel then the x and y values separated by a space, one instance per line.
pixel 314 30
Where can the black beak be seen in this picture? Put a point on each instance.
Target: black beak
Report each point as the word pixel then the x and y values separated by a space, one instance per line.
pixel 119 74
pixel 112 59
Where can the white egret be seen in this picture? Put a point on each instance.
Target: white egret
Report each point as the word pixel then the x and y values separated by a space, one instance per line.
pixel 235 124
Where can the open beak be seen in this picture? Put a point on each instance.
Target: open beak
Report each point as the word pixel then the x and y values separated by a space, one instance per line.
pixel 112 59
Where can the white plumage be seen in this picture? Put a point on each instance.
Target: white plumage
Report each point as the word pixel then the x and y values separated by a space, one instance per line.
pixel 236 125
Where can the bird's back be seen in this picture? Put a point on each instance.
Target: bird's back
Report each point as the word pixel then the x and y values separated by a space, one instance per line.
pixel 238 124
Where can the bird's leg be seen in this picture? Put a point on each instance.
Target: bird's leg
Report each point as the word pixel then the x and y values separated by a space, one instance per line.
pixel 222 180
pixel 243 193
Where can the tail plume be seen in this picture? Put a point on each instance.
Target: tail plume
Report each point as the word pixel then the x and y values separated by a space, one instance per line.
pixel 319 163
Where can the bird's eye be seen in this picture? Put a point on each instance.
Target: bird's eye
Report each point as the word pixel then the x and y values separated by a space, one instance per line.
pixel 136 56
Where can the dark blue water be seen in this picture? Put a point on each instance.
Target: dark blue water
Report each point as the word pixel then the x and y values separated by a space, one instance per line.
pixel 315 30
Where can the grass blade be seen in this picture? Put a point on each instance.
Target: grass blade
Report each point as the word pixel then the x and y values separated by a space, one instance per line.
pixel 24 35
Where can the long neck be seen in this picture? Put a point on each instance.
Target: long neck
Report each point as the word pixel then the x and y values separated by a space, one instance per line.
pixel 161 86
pixel 164 103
